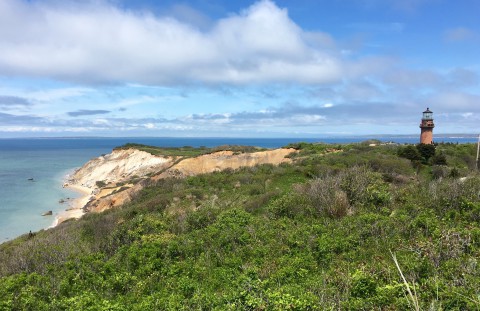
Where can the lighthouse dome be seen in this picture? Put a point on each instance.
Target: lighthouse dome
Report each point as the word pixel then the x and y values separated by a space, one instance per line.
pixel 427 114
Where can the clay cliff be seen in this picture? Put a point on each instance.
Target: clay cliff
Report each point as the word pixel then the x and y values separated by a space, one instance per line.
pixel 118 166
pixel 114 179
pixel 222 160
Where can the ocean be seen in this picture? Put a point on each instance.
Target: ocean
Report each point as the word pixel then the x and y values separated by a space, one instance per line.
pixel 32 170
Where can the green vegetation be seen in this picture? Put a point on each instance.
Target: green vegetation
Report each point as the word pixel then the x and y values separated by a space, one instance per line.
pixel 348 227
pixel 100 183
pixel 187 151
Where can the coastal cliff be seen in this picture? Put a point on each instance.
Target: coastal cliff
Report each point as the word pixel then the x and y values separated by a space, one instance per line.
pixel 114 179
pixel 344 227
pixel 118 166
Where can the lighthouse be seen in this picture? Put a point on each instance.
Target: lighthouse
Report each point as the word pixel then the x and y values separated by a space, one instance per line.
pixel 426 135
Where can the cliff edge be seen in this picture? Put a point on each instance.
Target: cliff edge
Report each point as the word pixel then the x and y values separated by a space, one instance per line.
pixel 116 167
pixel 114 179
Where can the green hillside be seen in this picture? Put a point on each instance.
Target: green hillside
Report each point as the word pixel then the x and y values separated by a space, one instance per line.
pixel 345 227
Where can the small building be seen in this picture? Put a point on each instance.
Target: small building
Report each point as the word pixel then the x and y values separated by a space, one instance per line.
pixel 426 134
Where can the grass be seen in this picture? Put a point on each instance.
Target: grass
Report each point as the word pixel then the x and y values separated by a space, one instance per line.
pixel 412 296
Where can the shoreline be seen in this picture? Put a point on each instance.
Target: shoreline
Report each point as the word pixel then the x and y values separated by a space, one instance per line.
pixel 75 208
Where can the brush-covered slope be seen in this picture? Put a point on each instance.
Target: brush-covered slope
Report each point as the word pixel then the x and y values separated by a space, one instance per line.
pixel 320 233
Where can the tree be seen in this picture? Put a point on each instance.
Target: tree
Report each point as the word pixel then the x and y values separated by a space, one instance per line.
pixel 410 152
pixel 426 151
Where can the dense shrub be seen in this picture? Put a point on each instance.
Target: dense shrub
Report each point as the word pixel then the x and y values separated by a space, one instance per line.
pixel 326 196
pixel 427 151
pixel 438 159
pixel 410 152
pixel 317 234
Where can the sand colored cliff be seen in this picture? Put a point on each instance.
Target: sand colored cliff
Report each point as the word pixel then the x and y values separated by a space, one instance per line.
pixel 116 169
pixel 222 160
pixel 118 166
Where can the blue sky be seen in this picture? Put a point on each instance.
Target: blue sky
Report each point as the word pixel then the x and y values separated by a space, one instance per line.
pixel 304 68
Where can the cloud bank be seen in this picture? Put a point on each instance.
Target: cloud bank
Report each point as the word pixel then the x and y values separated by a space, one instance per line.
pixel 255 70
pixel 7 102
pixel 96 42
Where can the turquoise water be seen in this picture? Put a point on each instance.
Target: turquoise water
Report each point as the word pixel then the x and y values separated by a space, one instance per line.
pixel 49 160
pixel 23 201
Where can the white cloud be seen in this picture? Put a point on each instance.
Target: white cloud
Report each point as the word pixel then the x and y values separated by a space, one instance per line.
pixel 153 57
pixel 420 80
pixel 455 102
pixel 98 42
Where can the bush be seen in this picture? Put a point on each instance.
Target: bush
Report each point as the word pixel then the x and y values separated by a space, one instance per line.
pixel 336 195
pixel 449 194
pixel 363 285
pixel 439 172
pixel 290 205
pixel 326 196
pixel 100 183
pixel 410 152
pixel 363 187
pixel 438 159
pixel 426 151
pixel 201 218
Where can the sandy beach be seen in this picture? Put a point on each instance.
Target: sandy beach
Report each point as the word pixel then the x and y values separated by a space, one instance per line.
pixel 75 209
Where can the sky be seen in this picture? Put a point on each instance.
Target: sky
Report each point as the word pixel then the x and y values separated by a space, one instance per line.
pixel 221 68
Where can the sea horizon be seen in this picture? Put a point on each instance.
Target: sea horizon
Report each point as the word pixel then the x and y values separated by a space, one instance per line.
pixel 320 136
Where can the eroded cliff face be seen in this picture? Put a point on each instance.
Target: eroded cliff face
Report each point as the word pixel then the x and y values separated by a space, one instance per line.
pixel 122 165
pixel 222 160
pixel 118 166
